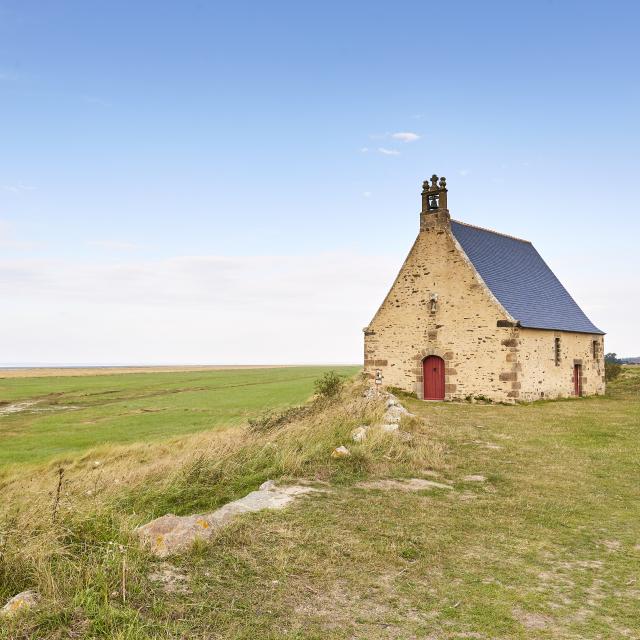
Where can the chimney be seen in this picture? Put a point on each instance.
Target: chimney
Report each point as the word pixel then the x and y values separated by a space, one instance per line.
pixel 434 204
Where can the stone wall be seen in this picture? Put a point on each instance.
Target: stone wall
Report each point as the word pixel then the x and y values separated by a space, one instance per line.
pixel 543 378
pixel 485 354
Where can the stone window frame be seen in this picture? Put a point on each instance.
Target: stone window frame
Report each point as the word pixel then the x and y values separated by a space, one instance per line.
pixel 449 371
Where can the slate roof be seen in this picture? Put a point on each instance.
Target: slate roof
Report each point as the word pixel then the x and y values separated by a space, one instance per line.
pixel 520 279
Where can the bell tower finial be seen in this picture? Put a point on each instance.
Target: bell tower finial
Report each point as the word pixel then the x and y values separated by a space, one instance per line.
pixel 434 202
pixel 434 195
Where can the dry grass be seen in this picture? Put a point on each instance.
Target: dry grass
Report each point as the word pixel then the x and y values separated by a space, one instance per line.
pixel 49 544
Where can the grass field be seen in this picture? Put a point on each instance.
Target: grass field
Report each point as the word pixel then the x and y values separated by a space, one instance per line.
pixel 548 546
pixel 72 414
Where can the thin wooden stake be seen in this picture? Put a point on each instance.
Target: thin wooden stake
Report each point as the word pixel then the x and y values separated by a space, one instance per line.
pixel 56 502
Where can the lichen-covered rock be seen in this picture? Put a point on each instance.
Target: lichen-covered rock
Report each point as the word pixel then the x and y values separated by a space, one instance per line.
pixel 20 602
pixel 171 534
pixel 395 413
pixel 370 393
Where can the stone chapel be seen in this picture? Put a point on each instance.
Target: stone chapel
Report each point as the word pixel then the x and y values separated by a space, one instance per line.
pixel 477 313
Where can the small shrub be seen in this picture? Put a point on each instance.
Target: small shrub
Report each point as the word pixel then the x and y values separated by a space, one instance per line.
pixel 330 385
pixel 611 370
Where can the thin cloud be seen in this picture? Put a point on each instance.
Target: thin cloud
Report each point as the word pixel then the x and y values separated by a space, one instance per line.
pixel 192 308
pixel 115 245
pixel 94 100
pixel 388 152
pixel 8 238
pixel 405 136
pixel 16 188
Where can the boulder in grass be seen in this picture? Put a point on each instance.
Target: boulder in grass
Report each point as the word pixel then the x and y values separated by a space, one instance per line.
pixel 21 602
pixel 170 534
pixel 340 452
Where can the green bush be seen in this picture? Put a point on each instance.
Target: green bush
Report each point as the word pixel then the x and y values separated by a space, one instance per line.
pixel 329 385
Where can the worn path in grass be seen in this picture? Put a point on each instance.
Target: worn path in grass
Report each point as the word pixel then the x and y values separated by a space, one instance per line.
pixel 47 417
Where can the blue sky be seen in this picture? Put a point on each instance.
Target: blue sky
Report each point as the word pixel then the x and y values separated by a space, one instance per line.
pixel 218 182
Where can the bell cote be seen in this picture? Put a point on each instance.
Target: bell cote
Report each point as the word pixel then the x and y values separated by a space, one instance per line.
pixel 434 203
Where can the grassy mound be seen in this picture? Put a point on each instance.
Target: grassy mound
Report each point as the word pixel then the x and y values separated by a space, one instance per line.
pixel 66 530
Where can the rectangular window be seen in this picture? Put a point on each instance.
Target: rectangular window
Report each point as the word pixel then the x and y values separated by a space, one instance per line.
pixel 595 349
pixel 557 351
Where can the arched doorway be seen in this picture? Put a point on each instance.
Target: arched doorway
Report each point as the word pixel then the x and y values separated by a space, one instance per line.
pixel 433 378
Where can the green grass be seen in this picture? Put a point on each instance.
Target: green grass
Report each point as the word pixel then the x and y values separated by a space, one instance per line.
pixel 136 407
pixel 547 548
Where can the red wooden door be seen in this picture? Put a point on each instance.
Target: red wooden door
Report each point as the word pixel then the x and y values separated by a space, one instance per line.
pixel 433 378
pixel 577 379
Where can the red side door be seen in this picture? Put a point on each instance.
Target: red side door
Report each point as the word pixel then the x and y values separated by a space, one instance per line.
pixel 577 379
pixel 433 378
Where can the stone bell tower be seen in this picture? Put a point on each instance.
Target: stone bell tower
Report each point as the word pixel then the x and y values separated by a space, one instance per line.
pixel 434 204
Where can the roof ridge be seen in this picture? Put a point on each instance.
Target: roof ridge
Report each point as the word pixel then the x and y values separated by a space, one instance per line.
pixel 498 233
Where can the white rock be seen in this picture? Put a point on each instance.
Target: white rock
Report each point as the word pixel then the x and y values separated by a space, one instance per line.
pixel 340 452
pixel 171 534
pixel 268 485
pixel 474 478
pixel 359 434
pixel 392 401
pixel 389 428
pixel 395 413
pixel 20 602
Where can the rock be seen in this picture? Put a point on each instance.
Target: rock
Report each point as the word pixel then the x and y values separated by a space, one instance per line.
pixel 20 602
pixel 171 534
pixel 359 434
pixel 340 452
pixel 474 478
pixel 392 401
pixel 268 485
pixel 390 428
pixel 394 413
pixel 404 484
pixel 370 393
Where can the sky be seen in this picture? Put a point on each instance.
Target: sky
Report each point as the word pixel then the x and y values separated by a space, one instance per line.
pixel 239 182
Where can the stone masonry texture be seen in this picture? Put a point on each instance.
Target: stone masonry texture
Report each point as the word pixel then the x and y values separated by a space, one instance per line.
pixel 484 351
